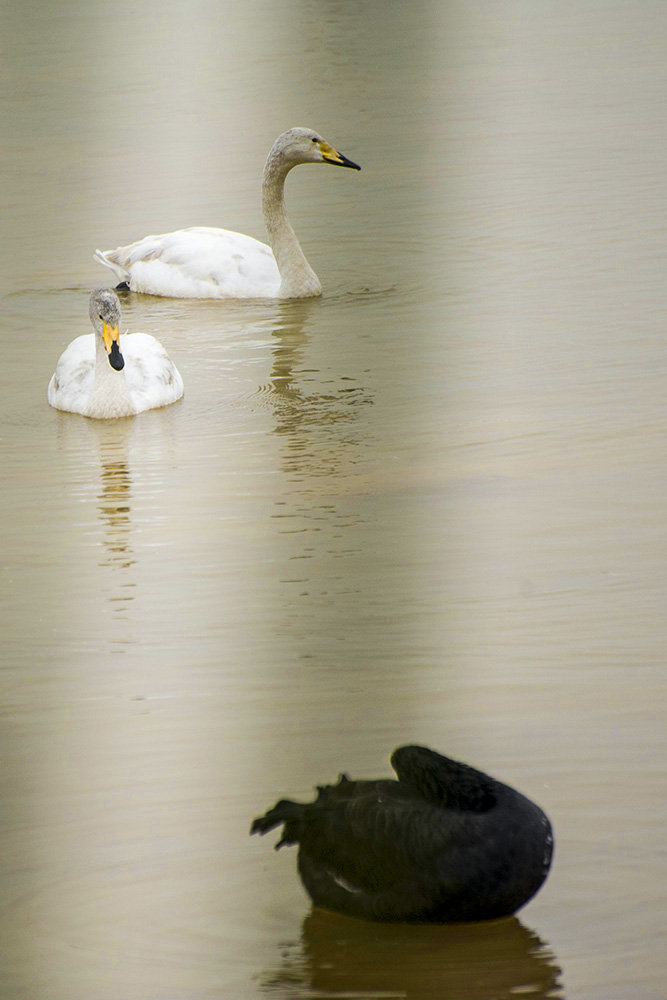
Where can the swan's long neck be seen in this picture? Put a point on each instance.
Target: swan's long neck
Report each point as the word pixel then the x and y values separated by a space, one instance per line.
pixel 298 280
pixel 110 392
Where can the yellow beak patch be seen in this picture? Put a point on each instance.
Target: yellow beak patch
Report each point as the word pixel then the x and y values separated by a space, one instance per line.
pixel 329 153
pixel 109 333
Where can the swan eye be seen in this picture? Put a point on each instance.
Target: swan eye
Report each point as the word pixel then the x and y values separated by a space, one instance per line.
pixel 315 140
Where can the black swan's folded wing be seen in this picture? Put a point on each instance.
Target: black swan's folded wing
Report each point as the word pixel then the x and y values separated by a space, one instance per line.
pixel 371 836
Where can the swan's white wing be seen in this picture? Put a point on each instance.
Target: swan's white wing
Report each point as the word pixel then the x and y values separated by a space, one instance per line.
pixel 152 378
pixel 72 381
pixel 200 262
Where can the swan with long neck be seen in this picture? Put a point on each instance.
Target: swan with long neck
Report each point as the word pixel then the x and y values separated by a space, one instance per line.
pixel 207 263
pixel 95 378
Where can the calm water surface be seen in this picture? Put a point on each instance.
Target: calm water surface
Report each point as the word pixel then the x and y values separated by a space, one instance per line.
pixel 428 507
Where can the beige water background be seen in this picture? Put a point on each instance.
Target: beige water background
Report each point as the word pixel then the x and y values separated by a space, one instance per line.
pixel 429 507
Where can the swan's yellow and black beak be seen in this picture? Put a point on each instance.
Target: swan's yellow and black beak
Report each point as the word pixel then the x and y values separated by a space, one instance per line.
pixel 111 345
pixel 330 155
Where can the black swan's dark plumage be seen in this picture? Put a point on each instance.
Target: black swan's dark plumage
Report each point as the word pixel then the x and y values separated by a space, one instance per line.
pixel 443 843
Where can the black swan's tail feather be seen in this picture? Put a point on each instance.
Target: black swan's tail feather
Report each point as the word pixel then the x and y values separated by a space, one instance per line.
pixel 287 812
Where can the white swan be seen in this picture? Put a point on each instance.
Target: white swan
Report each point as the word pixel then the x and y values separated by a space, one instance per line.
pixel 206 263
pixel 93 378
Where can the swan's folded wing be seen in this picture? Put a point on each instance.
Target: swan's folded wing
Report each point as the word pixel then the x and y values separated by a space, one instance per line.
pixel 73 378
pixel 152 378
pixel 375 840
pixel 197 262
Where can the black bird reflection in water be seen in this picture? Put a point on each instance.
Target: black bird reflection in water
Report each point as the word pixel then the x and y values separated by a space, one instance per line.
pixel 341 956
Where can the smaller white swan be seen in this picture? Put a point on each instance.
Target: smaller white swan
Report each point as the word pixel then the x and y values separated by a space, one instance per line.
pixel 207 263
pixel 94 379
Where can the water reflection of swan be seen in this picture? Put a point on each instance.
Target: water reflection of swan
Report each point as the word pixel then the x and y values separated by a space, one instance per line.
pixel 305 416
pixel 208 263
pixel 114 470
pixel 114 505
pixel 340 956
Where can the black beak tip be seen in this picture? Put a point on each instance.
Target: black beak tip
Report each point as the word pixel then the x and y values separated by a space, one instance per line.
pixel 116 359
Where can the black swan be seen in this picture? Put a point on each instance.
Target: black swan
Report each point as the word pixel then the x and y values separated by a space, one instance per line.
pixel 444 843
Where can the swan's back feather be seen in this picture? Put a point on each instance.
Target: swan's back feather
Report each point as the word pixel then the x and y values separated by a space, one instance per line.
pixel 198 262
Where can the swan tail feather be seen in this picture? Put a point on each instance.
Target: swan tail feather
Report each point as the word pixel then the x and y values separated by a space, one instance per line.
pixel 105 257
pixel 289 813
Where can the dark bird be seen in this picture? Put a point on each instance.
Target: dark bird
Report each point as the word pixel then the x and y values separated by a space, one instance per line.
pixel 444 843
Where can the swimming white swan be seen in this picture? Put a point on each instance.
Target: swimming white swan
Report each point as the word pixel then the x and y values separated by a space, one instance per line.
pixel 206 263
pixel 93 378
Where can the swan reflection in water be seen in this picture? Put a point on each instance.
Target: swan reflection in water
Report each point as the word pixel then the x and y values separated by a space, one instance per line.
pixel 311 403
pixel 341 956
pixel 114 503
pixel 317 400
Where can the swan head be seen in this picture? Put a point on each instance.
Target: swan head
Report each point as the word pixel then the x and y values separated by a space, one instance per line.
pixel 104 310
pixel 303 145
